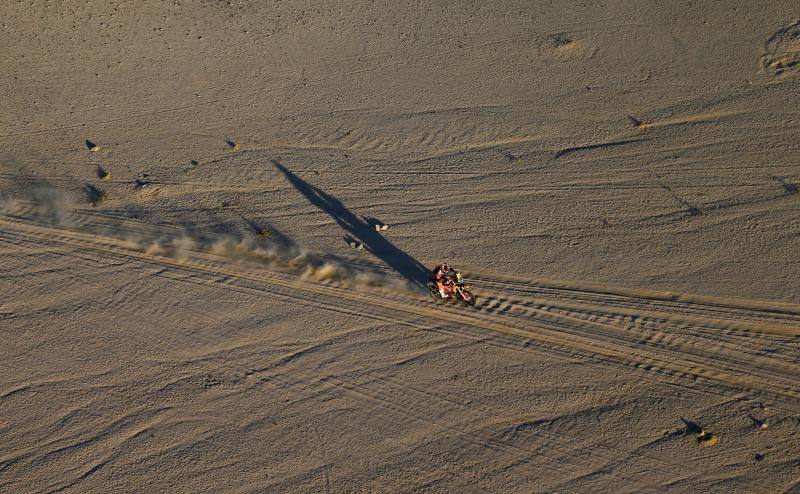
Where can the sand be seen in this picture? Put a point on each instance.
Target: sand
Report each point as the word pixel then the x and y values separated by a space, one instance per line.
pixel 194 296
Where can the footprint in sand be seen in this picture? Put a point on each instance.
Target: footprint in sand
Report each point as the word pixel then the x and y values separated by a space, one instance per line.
pixel 782 56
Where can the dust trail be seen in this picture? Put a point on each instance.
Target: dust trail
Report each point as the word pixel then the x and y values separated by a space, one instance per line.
pixel 39 201
pixel 43 203
pixel 288 259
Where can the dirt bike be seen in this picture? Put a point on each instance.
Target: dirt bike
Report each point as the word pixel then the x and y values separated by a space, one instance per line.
pixel 453 291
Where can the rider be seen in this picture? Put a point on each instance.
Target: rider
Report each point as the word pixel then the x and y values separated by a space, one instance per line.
pixel 445 277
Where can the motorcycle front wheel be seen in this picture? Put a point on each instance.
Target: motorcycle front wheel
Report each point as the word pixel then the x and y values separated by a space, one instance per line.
pixel 467 297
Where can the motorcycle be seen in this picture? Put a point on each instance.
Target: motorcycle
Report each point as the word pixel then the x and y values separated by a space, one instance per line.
pixel 453 291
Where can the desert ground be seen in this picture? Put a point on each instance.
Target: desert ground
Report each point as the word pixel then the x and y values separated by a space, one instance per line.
pixel 196 294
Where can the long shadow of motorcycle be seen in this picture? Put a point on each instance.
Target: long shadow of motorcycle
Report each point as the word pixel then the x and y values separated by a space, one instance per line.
pixel 360 231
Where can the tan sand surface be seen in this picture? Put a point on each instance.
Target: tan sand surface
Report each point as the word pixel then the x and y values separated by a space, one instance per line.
pixel 181 309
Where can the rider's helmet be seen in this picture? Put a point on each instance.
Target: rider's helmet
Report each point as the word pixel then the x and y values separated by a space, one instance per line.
pixel 444 267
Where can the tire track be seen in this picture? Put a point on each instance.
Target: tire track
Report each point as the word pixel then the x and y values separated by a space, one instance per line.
pixel 594 340
pixel 414 316
pixel 470 440
pixel 771 319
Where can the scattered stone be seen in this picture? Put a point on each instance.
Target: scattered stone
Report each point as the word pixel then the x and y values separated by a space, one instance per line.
pixel 790 190
pixel 103 174
pixel 759 457
pixel 356 245
pixel 513 159
pixel 636 122
pixel 758 423
pixel 194 162
pixel 234 146
pixel 92 146
pixel 703 438
pixel 264 233
pixel 95 195
pixel 561 40
pixel 707 438
pixel 141 184
pixel 378 225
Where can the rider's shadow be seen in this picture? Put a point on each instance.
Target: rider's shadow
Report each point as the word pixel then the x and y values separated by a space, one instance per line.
pixel 360 229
